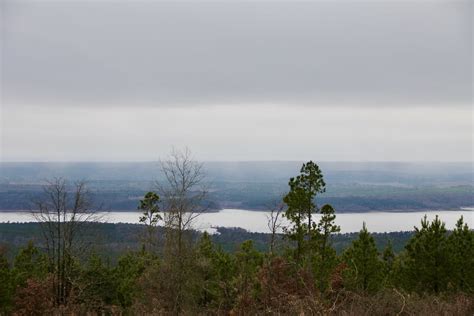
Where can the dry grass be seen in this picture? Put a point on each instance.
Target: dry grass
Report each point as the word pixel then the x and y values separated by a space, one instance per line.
pixel 393 302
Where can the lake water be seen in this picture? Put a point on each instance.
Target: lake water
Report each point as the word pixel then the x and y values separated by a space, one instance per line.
pixel 256 221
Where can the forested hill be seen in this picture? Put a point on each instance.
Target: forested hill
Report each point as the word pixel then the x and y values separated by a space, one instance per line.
pixel 352 187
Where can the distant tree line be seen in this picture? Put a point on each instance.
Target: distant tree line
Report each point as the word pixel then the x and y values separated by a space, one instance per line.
pixel 176 273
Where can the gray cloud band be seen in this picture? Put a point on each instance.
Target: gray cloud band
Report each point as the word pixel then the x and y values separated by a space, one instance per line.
pixel 165 54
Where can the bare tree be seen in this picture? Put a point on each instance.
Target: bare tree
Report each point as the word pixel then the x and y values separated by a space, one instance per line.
pixel 62 213
pixel 183 193
pixel 276 208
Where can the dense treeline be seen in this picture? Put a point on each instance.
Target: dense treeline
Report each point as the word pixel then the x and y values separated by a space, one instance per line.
pixel 110 241
pixel 350 197
pixel 176 273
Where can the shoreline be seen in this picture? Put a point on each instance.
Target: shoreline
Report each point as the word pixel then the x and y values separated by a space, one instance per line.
pixel 461 208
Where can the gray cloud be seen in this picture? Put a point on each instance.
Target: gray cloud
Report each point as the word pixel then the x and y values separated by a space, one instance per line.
pixel 160 53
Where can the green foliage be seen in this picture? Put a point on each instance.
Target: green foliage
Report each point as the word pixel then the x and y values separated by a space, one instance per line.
pixel 205 262
pixel 313 244
pixel 364 270
pixel 150 217
pixel 30 263
pixel 326 225
pixel 7 285
pixel 427 265
pixel 248 260
pixel 215 270
pixel 301 205
pixel 461 257
pixel 150 208
pixel 324 258
pixel 388 257
pixel 99 284
pixel 129 269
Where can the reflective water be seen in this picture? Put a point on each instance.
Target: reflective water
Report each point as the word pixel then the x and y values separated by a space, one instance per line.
pixel 257 221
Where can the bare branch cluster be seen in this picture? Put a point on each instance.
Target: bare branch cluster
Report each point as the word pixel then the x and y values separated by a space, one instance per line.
pixel 62 213
pixel 183 190
pixel 277 209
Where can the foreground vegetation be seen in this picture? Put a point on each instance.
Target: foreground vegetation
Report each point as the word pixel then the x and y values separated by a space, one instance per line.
pixel 434 275
pixel 177 271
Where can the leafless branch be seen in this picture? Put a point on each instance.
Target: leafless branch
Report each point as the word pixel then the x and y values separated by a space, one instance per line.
pixel 62 214
pixel 276 208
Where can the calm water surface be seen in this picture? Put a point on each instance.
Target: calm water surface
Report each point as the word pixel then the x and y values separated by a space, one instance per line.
pixel 256 221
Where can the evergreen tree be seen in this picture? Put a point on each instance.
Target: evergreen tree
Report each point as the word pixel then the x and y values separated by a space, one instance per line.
pixel 364 266
pixel 99 285
pixel 217 270
pixel 7 285
pixel 301 205
pixel 29 263
pixel 150 217
pixel 206 256
pixel 427 265
pixel 297 216
pixel 129 269
pixel 248 261
pixel 388 257
pixel 325 259
pixel 461 254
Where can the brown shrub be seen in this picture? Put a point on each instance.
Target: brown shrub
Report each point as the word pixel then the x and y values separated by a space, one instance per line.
pixel 394 302
pixel 336 279
pixel 35 298
pixel 286 289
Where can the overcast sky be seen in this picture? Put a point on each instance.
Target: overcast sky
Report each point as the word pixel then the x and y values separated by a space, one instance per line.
pixel 237 80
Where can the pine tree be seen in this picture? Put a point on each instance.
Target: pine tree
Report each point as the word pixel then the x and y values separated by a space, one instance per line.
pixel 7 285
pixel 248 261
pixel 461 255
pixel 206 259
pixel 99 285
pixel 427 265
pixel 301 205
pixel 388 257
pixel 29 263
pixel 150 217
pixel 295 213
pixel 130 267
pixel 325 258
pixel 216 273
pixel 364 270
